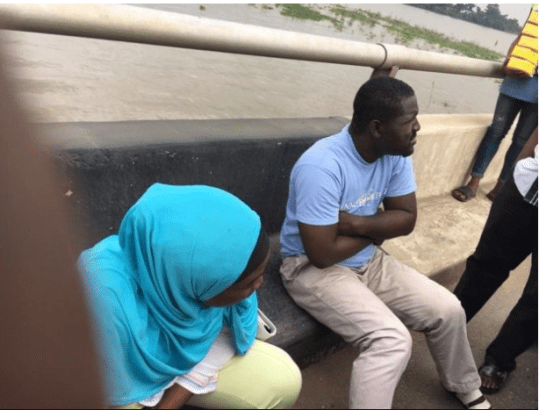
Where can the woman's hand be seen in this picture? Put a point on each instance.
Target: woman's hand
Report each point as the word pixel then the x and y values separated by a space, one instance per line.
pixel 174 398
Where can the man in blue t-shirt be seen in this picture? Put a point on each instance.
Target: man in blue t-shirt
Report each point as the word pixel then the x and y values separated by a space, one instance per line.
pixel 333 269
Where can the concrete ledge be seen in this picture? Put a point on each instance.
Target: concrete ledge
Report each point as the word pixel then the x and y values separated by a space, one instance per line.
pixel 133 134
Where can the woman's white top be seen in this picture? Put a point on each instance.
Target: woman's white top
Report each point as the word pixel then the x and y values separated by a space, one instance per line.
pixel 202 378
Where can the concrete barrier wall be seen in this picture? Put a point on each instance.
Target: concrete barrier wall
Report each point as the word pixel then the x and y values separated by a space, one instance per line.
pixel 446 149
pixel 109 165
pixel 444 153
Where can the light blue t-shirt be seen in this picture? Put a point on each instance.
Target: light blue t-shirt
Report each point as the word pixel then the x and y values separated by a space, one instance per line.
pixel 330 177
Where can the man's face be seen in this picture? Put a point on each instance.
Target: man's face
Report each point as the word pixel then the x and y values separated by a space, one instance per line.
pixel 399 135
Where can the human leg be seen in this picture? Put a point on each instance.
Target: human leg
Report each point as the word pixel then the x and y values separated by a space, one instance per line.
pixel 505 113
pixel 526 124
pixel 337 297
pixel 493 193
pixel 519 331
pixel 425 306
pixel 505 242
pixel 506 110
pixel 265 378
pixel 517 334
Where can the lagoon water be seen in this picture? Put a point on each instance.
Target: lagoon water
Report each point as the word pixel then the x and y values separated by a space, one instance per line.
pixel 76 79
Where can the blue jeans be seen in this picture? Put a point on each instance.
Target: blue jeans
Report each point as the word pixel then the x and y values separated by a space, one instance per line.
pixel 505 113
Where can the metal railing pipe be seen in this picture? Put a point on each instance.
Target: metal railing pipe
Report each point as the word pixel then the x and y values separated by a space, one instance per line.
pixel 412 59
pixel 147 26
pixel 143 25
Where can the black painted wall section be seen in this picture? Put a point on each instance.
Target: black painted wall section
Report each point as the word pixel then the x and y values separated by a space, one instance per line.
pixel 106 182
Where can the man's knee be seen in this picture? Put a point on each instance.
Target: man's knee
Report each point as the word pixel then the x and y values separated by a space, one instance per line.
pixel 448 310
pixel 391 342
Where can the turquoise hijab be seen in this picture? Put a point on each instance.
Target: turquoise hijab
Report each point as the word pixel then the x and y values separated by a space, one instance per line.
pixel 177 246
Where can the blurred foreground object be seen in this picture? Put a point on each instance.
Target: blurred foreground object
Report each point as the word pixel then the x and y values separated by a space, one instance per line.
pixel 47 352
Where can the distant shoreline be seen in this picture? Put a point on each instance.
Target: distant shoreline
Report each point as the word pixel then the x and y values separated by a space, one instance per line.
pixel 491 18
pixel 403 33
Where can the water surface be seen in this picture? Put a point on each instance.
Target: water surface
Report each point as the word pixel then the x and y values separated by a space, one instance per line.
pixel 76 79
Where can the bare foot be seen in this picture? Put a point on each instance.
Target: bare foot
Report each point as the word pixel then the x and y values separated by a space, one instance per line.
pixel 494 192
pixel 487 383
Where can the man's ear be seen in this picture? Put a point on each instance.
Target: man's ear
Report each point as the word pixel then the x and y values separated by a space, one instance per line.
pixel 375 128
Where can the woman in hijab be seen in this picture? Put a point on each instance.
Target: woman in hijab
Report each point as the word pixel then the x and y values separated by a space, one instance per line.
pixel 176 312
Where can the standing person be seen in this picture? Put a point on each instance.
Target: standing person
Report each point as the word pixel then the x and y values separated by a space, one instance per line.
pixel 509 237
pixel 175 305
pixel 518 94
pixel 333 269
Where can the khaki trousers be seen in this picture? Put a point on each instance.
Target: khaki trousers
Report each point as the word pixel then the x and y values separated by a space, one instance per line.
pixel 371 307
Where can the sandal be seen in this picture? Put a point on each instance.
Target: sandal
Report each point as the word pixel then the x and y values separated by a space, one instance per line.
pixel 494 373
pixel 465 191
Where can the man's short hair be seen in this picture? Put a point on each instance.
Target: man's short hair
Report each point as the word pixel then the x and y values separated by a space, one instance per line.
pixel 380 99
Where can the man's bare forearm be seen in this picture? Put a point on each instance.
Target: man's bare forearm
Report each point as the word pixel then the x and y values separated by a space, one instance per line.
pixel 325 247
pixel 331 244
pixel 384 225
pixel 343 248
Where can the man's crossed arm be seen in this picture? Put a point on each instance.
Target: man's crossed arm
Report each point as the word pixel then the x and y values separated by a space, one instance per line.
pixel 331 244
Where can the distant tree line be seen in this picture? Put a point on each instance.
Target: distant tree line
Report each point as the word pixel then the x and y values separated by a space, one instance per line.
pixel 489 17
